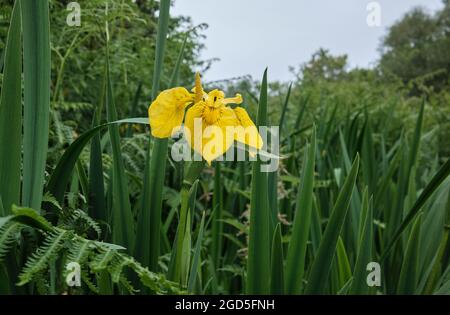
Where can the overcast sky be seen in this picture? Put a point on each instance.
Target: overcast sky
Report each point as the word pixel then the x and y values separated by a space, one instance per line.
pixel 248 35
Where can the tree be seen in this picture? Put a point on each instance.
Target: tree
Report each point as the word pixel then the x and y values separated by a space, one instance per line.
pixel 323 66
pixel 415 50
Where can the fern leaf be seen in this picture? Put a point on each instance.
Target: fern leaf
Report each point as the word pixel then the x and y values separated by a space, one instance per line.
pixel 102 260
pixel 155 282
pixel 87 280
pixel 40 259
pixel 48 197
pixel 117 265
pixel 8 233
pixel 79 251
pixel 42 285
pixel 127 285
pixel 31 218
pixel 81 215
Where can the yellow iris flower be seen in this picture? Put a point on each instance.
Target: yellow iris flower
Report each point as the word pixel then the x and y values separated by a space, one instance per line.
pixel 210 126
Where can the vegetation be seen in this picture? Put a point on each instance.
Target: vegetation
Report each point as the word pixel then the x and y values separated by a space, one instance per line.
pixel 363 175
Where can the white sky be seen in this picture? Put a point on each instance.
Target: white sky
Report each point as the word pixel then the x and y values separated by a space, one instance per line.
pixel 248 35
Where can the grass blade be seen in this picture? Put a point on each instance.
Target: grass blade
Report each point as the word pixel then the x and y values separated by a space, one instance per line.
pixel 148 235
pixel 295 264
pixel 163 25
pixel 277 272
pixel 359 285
pixel 435 182
pixel 217 224
pixel 149 224
pixel 185 260
pixel 321 266
pixel 11 115
pixel 368 164
pixel 195 261
pixel 96 198
pixel 434 223
pixel 258 264
pixel 431 277
pixel 175 265
pixel 285 107
pixel 36 68
pixel 122 218
pixel 342 264
pixel 410 267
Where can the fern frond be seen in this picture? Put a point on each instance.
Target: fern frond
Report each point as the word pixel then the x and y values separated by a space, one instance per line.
pixel 79 251
pixel 48 197
pixel 91 223
pixel 8 234
pixel 129 162
pixel 116 267
pixel 87 280
pixel 155 282
pixel 93 256
pixel 31 218
pixel 79 221
pixel 102 260
pixel 127 285
pixel 40 259
pixel 42 285
pixel 72 106
pixel 137 147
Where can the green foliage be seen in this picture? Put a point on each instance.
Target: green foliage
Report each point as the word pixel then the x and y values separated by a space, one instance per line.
pixel 36 81
pixel 322 263
pixel 64 244
pixel 415 50
pixel 124 209
pixel 295 267
pixel 39 260
pixel 155 166
pixel 8 235
pixel 11 114
pixel 258 265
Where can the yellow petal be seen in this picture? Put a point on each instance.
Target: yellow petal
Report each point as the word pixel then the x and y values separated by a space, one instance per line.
pixel 167 111
pixel 215 143
pixel 233 100
pixel 249 135
pixel 220 137
pixel 192 129
pixel 211 140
